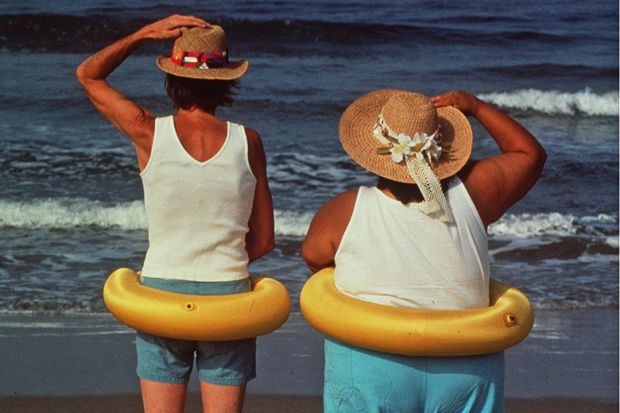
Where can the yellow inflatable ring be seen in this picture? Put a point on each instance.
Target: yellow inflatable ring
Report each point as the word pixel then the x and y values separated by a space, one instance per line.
pixel 417 332
pixel 196 317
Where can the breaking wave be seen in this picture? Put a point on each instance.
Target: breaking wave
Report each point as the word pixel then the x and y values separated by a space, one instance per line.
pixel 72 213
pixel 586 102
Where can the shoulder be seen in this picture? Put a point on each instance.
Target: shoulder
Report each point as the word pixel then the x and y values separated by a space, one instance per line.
pixel 255 144
pixel 343 201
pixel 336 213
pixel 482 192
pixel 252 136
pixel 465 176
pixel 255 152
pixel 250 133
pixel 326 230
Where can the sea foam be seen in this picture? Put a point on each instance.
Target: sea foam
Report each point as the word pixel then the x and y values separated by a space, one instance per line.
pixel 552 102
pixel 72 213
pixel 553 224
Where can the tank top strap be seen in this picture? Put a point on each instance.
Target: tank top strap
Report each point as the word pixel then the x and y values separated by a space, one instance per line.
pixel 238 143
pixel 165 146
pixel 460 200
pixel 165 136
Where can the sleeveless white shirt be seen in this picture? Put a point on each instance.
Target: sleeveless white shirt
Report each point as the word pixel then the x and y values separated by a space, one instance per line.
pixel 393 254
pixel 197 212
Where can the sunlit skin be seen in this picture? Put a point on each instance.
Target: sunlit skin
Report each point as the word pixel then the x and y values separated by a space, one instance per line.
pixel 202 134
pixel 494 183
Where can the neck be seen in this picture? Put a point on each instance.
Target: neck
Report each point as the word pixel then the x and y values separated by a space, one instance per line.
pixel 196 113
pixel 197 119
pixel 405 193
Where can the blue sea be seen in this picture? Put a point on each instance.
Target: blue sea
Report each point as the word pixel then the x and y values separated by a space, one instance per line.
pixel 71 207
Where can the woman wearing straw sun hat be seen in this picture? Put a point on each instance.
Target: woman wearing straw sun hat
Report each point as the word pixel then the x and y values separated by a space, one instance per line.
pixel 207 201
pixel 418 239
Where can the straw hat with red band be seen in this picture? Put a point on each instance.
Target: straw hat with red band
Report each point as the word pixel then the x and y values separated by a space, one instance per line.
pixel 202 53
pixel 401 136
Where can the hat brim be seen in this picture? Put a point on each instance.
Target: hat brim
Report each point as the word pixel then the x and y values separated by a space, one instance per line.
pixel 356 136
pixel 233 70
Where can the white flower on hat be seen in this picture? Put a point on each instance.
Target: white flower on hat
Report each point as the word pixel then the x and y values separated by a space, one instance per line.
pixel 418 152
pixel 423 144
pixel 401 148
pixel 433 151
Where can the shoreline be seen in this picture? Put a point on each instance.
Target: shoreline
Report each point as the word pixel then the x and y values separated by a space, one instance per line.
pixel 569 363
pixel 263 404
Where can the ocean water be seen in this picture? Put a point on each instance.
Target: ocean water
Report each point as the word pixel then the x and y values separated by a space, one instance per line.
pixel 70 196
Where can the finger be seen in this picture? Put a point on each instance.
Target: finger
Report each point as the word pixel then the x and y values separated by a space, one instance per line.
pixel 174 33
pixel 443 95
pixel 168 34
pixel 191 21
pixel 199 22
pixel 441 100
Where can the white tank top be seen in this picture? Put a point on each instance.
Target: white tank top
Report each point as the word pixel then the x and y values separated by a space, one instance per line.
pixel 197 212
pixel 393 254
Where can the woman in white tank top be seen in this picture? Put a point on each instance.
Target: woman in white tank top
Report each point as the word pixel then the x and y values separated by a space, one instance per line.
pixel 418 239
pixel 207 201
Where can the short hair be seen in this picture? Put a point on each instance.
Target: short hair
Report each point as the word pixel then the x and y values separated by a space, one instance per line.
pixel 205 94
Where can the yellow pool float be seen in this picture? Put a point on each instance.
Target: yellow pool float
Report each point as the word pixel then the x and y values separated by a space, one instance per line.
pixel 417 332
pixel 197 317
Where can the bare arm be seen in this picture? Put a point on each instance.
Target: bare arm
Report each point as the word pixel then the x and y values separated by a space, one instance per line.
pixel 260 238
pixel 136 122
pixel 498 182
pixel 326 231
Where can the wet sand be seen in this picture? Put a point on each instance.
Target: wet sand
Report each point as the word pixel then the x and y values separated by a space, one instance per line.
pixel 263 404
pixel 86 364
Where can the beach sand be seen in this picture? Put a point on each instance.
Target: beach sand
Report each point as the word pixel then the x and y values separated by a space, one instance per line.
pixel 262 404
pixel 86 364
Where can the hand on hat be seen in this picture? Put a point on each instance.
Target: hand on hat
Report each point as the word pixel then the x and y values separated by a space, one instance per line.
pixel 170 27
pixel 460 99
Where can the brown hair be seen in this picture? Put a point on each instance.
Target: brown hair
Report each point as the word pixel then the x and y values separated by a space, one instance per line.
pixel 205 94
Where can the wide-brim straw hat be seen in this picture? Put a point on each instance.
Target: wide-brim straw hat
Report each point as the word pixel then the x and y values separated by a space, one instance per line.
pixel 202 53
pixel 408 113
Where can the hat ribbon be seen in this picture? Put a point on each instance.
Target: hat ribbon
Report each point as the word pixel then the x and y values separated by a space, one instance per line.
pixel 418 151
pixel 200 60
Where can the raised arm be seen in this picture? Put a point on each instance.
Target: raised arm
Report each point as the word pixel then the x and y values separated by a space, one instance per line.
pixel 260 238
pixel 498 182
pixel 136 122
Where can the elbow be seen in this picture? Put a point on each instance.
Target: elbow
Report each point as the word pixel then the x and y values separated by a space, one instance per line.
pixel 268 242
pixel 540 158
pixel 311 261
pixel 269 245
pixel 79 74
pixel 82 76
pixel 259 248
pixel 534 156
pixel 305 254
pixel 543 156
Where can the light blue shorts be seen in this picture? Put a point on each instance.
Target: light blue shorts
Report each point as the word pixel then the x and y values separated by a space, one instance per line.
pixel 168 360
pixel 358 380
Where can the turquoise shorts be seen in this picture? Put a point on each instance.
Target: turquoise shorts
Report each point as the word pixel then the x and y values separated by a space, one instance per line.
pixel 167 360
pixel 358 380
